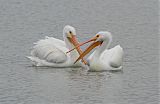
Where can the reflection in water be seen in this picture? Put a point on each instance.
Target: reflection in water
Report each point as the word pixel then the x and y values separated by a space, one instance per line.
pixel 77 86
pixel 89 86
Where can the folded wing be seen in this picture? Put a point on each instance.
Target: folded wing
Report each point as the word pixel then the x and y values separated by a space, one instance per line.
pixel 50 50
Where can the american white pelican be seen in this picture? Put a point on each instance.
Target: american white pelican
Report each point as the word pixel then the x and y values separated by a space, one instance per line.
pixel 52 52
pixel 103 58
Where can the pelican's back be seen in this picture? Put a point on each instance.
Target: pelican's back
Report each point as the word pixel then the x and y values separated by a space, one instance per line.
pixel 49 50
pixel 116 58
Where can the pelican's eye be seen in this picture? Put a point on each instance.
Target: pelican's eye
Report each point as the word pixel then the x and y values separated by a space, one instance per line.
pixel 97 36
pixel 70 32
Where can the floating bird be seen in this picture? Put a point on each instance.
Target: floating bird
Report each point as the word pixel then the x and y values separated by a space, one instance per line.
pixel 102 58
pixel 52 52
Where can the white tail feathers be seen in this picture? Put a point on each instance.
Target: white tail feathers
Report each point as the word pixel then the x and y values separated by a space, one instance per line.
pixel 35 61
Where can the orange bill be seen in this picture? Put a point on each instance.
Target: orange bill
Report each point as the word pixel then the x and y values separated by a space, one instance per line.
pixel 74 41
pixel 77 46
pixel 92 46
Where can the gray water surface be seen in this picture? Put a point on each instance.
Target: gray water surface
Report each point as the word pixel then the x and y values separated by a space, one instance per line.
pixel 134 25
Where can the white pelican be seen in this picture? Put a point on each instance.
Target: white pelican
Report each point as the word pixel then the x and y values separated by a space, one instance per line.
pixel 52 52
pixel 102 58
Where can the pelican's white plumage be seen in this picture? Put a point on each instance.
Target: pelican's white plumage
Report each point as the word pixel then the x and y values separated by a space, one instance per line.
pixel 103 58
pixel 108 60
pixel 52 52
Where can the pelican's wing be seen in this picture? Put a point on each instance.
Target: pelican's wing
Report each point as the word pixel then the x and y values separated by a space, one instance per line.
pixel 114 56
pixel 50 49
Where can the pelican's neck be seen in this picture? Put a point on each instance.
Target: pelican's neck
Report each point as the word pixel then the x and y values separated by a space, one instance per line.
pixel 74 54
pixel 67 42
pixel 105 45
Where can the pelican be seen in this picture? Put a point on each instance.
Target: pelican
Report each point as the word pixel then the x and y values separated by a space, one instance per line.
pixel 102 58
pixel 52 52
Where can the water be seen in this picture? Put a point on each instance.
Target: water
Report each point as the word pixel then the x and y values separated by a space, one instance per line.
pixel 134 25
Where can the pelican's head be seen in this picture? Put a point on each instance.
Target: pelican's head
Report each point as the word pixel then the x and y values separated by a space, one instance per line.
pixel 69 34
pixel 103 37
pixel 69 31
